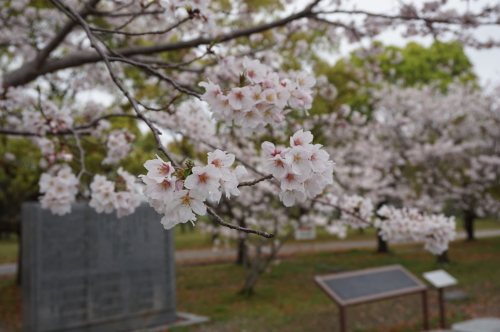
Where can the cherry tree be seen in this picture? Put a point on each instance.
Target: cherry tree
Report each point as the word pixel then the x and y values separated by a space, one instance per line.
pixel 206 69
pixel 450 143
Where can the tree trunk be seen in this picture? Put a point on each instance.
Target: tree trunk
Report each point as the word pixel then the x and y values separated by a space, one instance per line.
pixel 252 276
pixel 443 258
pixel 242 250
pixel 19 257
pixel 469 218
pixel 241 258
pixel 382 246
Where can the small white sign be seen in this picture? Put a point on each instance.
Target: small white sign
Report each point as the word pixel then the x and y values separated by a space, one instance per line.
pixel 305 231
pixel 440 278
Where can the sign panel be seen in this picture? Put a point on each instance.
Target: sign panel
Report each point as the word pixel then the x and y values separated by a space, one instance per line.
pixel 94 272
pixel 369 285
pixel 305 231
pixel 440 278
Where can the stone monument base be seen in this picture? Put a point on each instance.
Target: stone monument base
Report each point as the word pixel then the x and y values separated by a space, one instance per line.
pixel 478 324
pixel 475 325
pixel 183 319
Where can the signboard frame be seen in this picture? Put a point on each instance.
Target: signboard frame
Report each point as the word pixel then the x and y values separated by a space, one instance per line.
pixel 420 287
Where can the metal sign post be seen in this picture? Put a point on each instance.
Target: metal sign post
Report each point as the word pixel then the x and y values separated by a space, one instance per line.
pixel 440 279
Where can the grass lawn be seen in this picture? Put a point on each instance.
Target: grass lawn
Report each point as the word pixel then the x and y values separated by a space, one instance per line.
pixel 9 249
pixel 287 298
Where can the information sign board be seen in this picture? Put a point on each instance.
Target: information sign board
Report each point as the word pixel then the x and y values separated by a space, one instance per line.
pixel 368 285
pixel 305 231
pixel 440 278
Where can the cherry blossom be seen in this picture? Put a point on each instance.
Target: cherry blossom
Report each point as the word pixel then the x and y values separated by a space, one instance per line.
pixel 59 190
pixel 293 168
pixel 118 145
pixel 265 100
pixel 158 169
pixel 178 198
pixel 403 225
pixel 204 180
pixel 180 209
pixel 121 195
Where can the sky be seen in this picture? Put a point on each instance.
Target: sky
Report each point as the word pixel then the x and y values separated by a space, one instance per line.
pixel 486 62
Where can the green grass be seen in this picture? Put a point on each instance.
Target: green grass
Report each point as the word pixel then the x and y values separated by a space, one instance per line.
pixel 9 249
pixel 287 299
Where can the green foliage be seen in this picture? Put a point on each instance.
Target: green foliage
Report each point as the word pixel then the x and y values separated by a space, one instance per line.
pixel 18 177
pixel 443 62
pixel 264 5
pixel 412 65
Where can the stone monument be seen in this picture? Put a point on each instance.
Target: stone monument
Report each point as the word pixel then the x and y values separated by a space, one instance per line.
pixel 90 272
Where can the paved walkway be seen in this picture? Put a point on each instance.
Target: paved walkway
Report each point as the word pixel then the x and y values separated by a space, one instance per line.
pixel 200 255
pixel 187 256
pixel 6 269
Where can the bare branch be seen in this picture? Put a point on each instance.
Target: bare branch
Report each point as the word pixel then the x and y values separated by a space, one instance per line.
pixel 453 20
pixel 83 169
pixel 91 124
pixel 113 14
pixel 236 227
pixel 254 182
pixel 160 32
pixel 118 83
pixel 59 37
pixel 149 108
pixel 316 200
pixel 156 73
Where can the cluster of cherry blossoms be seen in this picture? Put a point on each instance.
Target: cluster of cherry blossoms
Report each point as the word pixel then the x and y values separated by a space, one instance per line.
pixel 47 148
pixel 303 169
pixel 189 119
pixel 180 193
pixel 121 195
pixel 262 97
pixel 403 225
pixel 50 119
pixel 118 145
pixel 59 190
pixel 356 211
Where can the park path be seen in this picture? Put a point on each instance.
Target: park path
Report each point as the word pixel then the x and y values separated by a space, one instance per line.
pixel 207 255
pixel 289 249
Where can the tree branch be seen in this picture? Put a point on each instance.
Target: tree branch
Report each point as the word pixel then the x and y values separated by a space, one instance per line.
pixel 117 81
pixel 69 131
pixel 254 182
pixel 236 227
pixel 25 75
pixel 158 32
